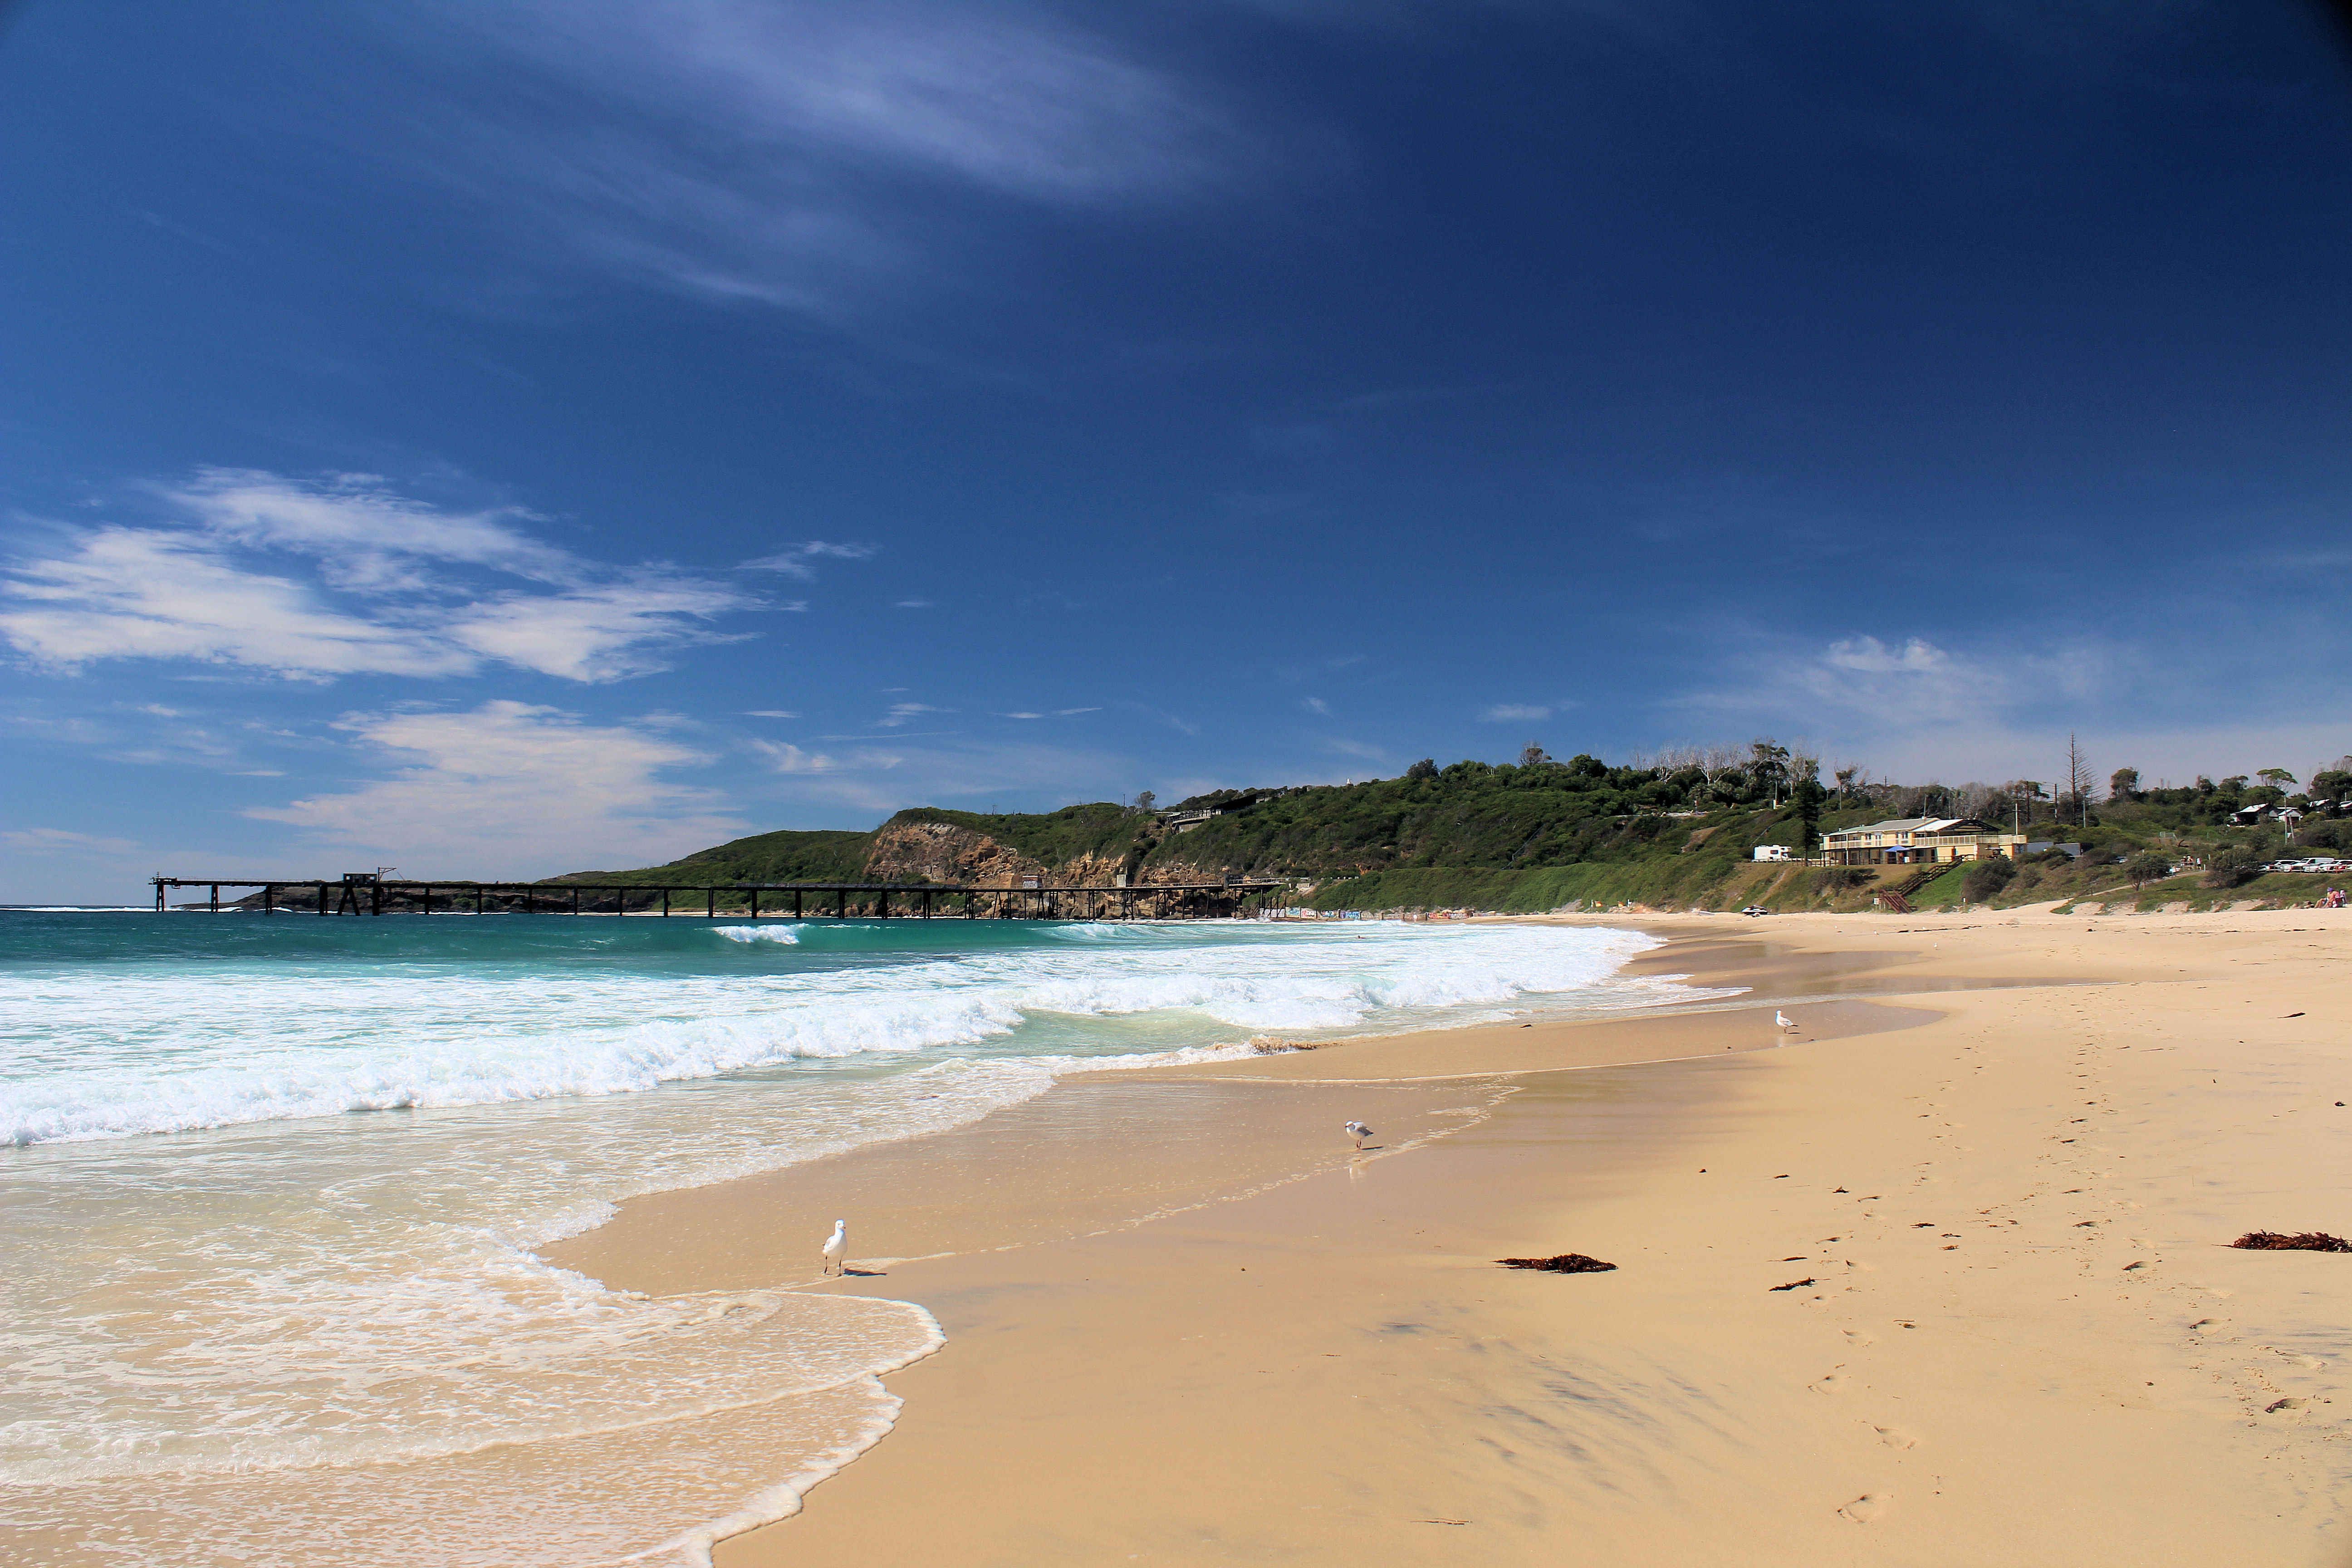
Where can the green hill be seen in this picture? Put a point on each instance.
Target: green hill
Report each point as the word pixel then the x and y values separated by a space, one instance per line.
pixel 1545 835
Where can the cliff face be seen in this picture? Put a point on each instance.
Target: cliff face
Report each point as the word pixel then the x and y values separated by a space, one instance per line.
pixel 934 852
pixel 944 852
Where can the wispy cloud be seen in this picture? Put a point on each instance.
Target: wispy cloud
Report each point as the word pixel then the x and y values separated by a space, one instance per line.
pixel 1316 705
pixel 1515 713
pixel 768 713
pixel 60 841
pixel 346 576
pixel 787 151
pixel 789 759
pixel 913 605
pixel 510 788
pixel 800 560
pixel 904 712
pixel 1355 749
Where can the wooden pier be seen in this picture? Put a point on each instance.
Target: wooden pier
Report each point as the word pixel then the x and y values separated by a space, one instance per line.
pixel 364 893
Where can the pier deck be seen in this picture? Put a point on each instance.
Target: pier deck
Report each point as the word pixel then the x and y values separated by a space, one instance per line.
pixel 361 894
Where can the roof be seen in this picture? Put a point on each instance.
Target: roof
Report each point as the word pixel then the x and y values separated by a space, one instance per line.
pixel 1916 824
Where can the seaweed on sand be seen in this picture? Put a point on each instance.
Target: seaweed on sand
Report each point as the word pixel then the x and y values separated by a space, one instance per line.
pixel 2306 1241
pixel 1566 1263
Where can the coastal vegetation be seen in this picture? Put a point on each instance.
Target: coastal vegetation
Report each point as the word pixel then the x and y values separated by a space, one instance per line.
pixel 1675 831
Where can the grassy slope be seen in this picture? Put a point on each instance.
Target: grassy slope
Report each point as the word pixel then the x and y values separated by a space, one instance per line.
pixel 823 855
pixel 1505 839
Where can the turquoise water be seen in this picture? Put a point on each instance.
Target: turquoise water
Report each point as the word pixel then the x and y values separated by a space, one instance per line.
pixel 272 1188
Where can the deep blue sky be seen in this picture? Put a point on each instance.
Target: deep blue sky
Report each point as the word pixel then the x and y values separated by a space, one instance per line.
pixel 517 438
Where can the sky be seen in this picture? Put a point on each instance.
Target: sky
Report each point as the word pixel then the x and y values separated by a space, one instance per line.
pixel 506 439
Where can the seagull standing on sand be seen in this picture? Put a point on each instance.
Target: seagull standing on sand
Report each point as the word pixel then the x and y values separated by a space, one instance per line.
pixel 1783 1019
pixel 1358 1132
pixel 836 1246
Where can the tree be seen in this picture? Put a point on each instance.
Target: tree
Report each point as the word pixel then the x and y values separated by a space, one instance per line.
pixel 2018 797
pixel 1850 778
pixel 2124 784
pixel 1531 753
pixel 2146 867
pixel 2279 777
pixel 1809 796
pixel 2078 780
pixel 1424 769
pixel 1144 802
pixel 1769 766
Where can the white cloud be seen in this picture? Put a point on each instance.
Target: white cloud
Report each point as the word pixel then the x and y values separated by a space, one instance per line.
pixel 1355 749
pixel 1872 657
pixel 1513 712
pixel 795 561
pixel 132 592
pixel 345 577
pixel 900 713
pixel 594 634
pixel 1021 715
pixel 360 528
pixel 1915 710
pixel 912 605
pixel 513 789
pixel 1316 705
pixel 768 713
pixel 791 758
pixel 1068 712
pixel 57 840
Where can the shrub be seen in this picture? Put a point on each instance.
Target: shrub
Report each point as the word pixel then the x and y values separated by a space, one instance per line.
pixel 1986 879
pixel 2144 868
pixel 1838 878
pixel 2233 868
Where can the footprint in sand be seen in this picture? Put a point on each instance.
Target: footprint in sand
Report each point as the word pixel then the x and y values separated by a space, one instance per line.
pixel 1835 1383
pixel 1896 1437
pixel 1868 1507
pixel 1857 1338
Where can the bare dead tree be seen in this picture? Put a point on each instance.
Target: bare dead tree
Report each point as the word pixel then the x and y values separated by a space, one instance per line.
pixel 2079 782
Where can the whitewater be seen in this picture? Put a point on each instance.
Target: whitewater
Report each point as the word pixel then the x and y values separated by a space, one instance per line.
pixel 273 1189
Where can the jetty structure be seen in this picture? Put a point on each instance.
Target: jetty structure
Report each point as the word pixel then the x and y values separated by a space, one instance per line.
pixel 371 893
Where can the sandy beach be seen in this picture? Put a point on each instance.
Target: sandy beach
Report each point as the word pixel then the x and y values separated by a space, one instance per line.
pixel 1940 1277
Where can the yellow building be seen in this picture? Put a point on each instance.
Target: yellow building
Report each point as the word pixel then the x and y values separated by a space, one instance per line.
pixel 1920 840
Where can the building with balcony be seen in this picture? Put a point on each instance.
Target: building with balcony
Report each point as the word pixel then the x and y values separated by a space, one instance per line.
pixel 1920 840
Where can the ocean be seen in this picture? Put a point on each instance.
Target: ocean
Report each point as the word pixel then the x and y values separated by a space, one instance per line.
pixel 272 1189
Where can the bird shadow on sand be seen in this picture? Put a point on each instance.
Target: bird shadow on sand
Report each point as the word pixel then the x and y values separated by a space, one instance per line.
pixel 863 1274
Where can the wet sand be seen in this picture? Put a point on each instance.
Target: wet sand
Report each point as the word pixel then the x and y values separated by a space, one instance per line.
pixel 1996 1164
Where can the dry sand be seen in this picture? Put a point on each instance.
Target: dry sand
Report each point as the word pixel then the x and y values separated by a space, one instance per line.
pixel 1998 1162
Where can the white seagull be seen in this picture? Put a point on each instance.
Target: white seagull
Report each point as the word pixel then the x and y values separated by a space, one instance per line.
pixel 1783 1019
pixel 836 1246
pixel 1358 1132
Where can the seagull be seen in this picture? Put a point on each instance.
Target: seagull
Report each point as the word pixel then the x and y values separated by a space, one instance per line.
pixel 836 1246
pixel 1783 1019
pixel 1358 1132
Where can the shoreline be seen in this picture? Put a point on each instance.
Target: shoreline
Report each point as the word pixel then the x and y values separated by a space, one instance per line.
pixel 1276 1360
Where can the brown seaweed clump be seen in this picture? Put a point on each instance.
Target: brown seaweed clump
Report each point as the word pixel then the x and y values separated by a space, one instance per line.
pixel 2307 1241
pixel 1566 1263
